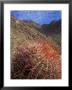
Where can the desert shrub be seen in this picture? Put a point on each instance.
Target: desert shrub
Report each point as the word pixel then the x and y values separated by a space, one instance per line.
pixel 21 63
pixel 27 65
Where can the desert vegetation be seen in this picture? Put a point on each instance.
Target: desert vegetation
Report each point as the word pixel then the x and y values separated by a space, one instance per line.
pixel 33 54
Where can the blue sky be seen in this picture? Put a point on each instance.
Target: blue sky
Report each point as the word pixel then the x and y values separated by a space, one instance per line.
pixel 40 17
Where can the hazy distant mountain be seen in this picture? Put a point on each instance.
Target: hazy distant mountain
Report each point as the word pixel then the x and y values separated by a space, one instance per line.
pixel 33 55
pixel 53 28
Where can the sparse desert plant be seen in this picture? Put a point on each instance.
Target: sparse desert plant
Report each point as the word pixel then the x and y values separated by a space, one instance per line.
pixel 27 65
pixel 33 55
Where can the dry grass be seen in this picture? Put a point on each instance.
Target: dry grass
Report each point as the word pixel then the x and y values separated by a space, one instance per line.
pixel 28 63
pixel 33 56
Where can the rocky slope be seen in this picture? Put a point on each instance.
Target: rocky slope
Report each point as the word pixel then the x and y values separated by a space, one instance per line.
pixel 33 55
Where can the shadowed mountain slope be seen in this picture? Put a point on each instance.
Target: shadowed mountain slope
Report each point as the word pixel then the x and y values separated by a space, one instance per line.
pixel 53 30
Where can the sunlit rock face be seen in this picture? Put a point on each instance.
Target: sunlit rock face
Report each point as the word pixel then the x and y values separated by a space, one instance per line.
pixel 33 55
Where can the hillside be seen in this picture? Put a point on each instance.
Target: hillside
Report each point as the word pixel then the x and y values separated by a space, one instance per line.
pixel 52 27
pixel 53 30
pixel 33 55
